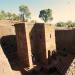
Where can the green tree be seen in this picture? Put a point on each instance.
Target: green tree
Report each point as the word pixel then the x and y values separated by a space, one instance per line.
pixel 2 15
pixel 9 15
pixel 69 23
pixel 15 17
pixel 25 13
pixel 46 15
pixel 60 24
pixel 73 24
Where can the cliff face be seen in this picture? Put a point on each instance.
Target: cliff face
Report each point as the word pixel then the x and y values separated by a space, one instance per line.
pixel 5 68
pixel 4 64
pixel 6 29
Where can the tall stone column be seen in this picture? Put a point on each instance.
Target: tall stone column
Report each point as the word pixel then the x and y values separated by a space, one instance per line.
pixel 22 47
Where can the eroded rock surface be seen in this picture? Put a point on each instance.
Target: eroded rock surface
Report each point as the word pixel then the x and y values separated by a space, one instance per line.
pixel 5 68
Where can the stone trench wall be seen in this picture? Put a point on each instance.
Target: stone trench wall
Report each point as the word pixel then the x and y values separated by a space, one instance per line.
pixel 6 30
pixel 5 68
pixel 65 39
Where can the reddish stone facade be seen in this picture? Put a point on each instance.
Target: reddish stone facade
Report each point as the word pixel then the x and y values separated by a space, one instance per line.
pixel 37 37
pixel 65 40
pixel 22 45
pixel 34 41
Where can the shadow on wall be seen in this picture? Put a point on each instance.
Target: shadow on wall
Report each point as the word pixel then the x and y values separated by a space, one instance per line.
pixel 37 40
pixel 65 39
pixel 65 54
pixel 9 47
pixel 62 62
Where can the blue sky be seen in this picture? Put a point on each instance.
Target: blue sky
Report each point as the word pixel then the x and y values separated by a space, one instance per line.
pixel 63 10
